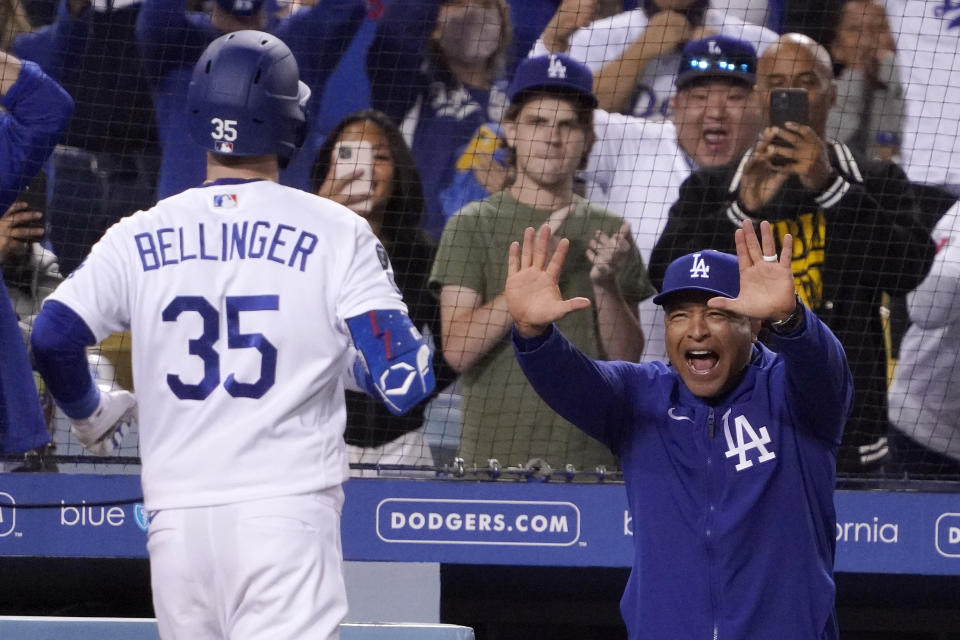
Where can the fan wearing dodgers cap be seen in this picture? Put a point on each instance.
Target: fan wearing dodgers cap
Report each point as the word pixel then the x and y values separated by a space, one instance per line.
pixel 728 451
pixel 854 222
pixel 548 129
pixel 634 54
pixel 171 39
pixel 637 166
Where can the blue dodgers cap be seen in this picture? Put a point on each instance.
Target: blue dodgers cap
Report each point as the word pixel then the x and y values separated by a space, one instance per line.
pixel 555 72
pixel 241 7
pixel 717 57
pixel 710 271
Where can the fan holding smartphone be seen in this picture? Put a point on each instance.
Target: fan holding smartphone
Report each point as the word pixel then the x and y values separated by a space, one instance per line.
pixel 365 165
pixel 23 223
pixel 793 147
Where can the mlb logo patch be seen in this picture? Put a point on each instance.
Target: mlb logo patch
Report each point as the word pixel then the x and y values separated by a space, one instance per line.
pixel 223 146
pixel 225 200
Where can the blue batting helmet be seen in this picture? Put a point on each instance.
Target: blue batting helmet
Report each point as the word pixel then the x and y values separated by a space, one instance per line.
pixel 246 98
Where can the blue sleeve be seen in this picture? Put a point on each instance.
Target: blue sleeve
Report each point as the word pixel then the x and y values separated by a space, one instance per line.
pixel 169 36
pixel 397 363
pixel 593 395
pixel 38 110
pixel 397 54
pixel 318 38
pixel 818 378
pixel 59 341
pixel 56 46
pixel 22 426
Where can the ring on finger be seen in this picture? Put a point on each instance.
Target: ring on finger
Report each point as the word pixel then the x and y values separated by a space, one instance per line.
pixel 772 258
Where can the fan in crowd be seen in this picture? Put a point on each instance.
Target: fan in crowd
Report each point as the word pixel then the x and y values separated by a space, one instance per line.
pixel 634 54
pixel 854 228
pixel 549 131
pixel 436 67
pixel 384 188
pixel 35 113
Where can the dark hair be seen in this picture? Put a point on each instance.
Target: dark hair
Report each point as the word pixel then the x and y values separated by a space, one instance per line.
pixel 695 13
pixel 405 206
pixel 583 108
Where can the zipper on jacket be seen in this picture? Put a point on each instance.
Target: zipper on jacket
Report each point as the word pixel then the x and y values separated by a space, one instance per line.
pixel 711 429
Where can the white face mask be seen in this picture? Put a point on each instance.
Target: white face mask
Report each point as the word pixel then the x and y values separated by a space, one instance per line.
pixel 470 34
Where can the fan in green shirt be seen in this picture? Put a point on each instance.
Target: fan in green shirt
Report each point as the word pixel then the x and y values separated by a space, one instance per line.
pixel 548 128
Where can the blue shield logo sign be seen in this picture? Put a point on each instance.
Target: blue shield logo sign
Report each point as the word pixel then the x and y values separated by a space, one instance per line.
pixel 141 517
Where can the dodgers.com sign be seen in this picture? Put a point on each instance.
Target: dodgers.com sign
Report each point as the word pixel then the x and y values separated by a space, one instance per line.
pixel 483 522
pixel 948 535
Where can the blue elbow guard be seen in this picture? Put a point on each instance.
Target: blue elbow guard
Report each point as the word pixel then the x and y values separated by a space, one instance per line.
pixel 396 361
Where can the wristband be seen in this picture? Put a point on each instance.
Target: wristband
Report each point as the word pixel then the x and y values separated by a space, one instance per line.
pixel 792 322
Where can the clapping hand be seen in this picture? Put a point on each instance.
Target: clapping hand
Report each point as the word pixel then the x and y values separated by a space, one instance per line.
pixel 533 297
pixel 608 254
pixel 766 283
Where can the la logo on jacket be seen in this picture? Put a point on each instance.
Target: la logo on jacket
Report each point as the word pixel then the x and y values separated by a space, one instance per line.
pixel 747 438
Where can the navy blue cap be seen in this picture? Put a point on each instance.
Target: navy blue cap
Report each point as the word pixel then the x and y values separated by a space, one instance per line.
pixel 709 271
pixel 241 7
pixel 717 57
pixel 553 72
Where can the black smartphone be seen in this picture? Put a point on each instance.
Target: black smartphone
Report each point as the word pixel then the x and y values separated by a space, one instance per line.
pixel 35 195
pixel 787 105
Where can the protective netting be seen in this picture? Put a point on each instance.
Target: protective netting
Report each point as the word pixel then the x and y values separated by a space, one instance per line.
pixel 410 125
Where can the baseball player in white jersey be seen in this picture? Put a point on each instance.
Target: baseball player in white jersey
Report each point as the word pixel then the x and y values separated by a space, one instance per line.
pixel 247 302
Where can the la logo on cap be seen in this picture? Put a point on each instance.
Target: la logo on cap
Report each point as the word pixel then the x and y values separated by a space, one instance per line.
pixel 700 267
pixel 714 48
pixel 556 69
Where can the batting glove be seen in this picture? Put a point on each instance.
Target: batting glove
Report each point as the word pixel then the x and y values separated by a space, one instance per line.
pixel 102 433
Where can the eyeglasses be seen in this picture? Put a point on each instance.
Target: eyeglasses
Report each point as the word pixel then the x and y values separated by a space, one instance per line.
pixel 703 64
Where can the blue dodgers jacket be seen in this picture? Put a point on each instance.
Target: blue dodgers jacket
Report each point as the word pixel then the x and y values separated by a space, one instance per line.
pixel 732 498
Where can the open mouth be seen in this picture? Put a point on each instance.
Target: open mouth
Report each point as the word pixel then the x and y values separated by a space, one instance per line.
pixel 701 361
pixel 715 138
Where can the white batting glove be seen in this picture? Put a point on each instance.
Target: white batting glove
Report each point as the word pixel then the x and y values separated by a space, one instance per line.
pixel 102 433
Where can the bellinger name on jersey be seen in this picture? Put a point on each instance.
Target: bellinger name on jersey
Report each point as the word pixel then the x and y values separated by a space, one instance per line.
pixel 246 240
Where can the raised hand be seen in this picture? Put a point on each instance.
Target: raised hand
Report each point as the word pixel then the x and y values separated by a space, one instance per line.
pixel 761 179
pixel 19 226
pixel 766 283
pixel 807 155
pixel 569 16
pixel 533 297
pixel 608 254
pixel 339 190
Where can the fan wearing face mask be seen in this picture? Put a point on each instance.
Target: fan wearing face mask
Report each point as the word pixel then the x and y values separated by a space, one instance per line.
pixel 436 69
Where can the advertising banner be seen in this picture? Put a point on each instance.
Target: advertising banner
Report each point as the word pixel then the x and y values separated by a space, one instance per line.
pixel 519 523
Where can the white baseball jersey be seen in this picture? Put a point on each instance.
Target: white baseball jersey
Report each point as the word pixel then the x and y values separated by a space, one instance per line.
pixel 236 296
pixel 605 40
pixel 928 46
